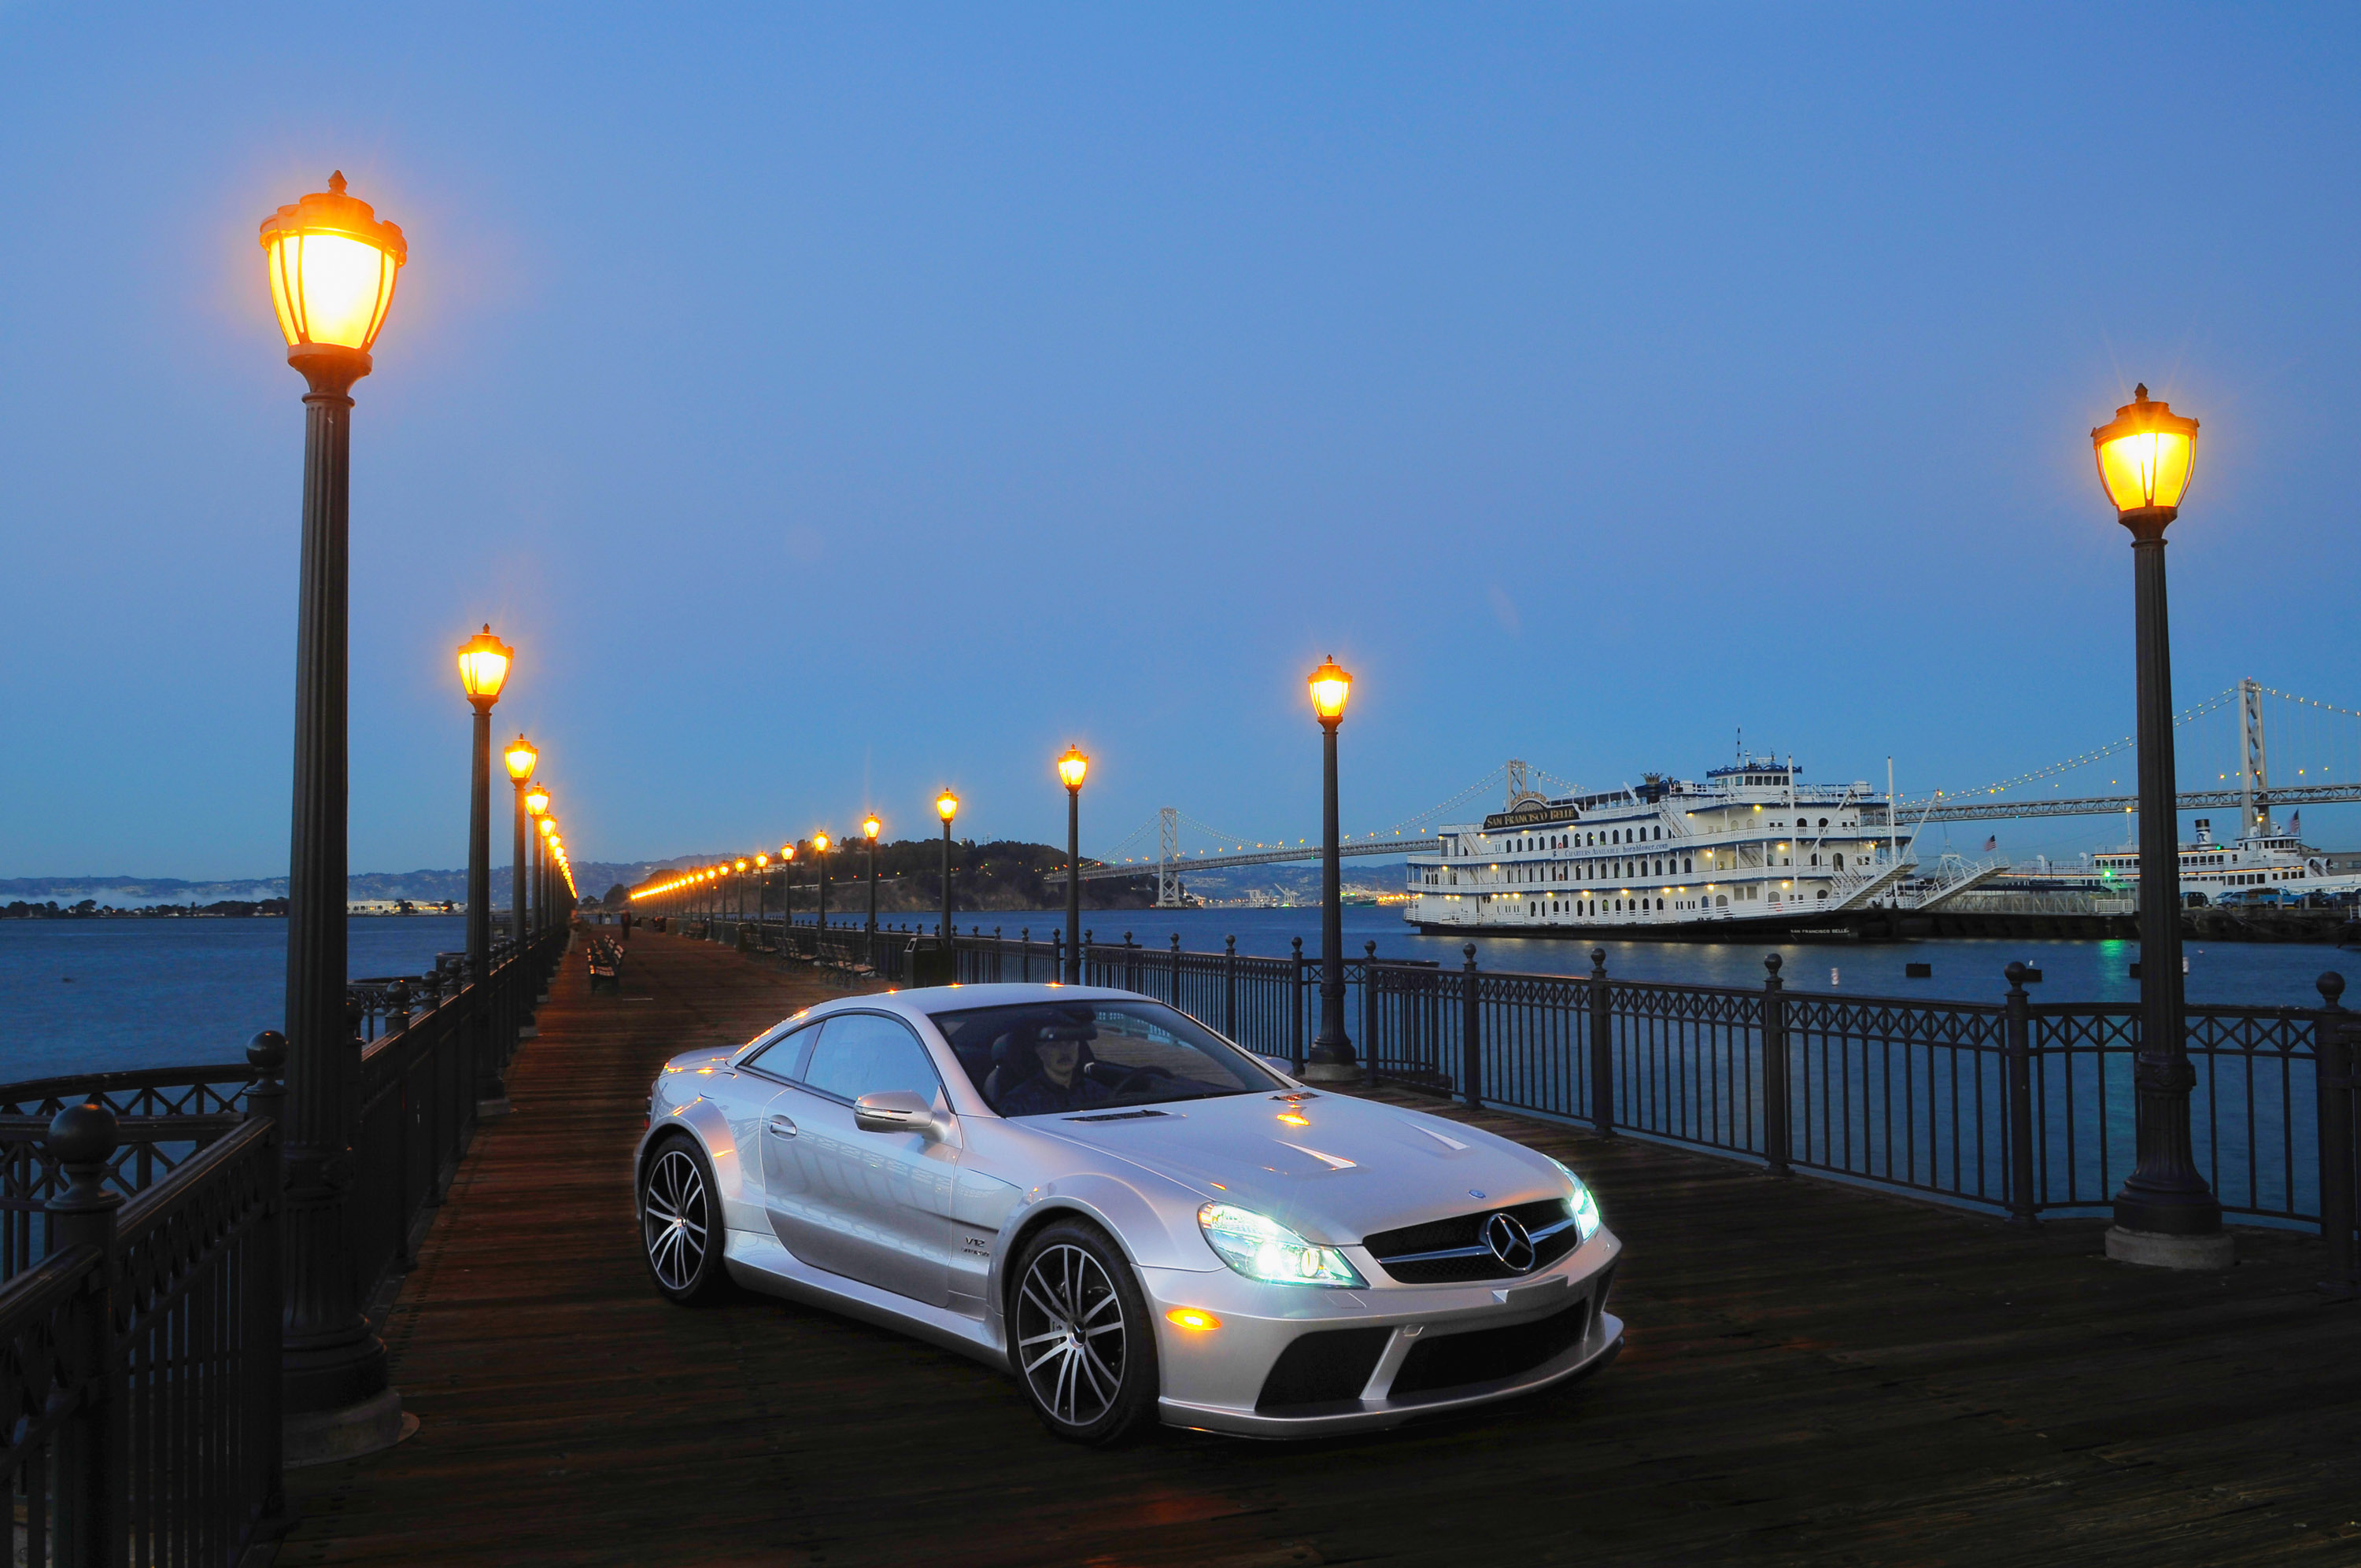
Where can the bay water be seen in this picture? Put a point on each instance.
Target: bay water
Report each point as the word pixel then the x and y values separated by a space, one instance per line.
pixel 99 996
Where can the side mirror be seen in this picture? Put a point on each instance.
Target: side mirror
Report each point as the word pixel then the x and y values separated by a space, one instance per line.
pixel 894 1111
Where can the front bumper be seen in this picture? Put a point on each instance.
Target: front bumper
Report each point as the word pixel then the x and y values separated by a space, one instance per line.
pixel 1221 1380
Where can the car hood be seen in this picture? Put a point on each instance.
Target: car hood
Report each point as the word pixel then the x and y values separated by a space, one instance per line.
pixel 1352 1167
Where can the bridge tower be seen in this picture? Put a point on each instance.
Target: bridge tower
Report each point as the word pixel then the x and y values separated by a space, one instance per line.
pixel 2253 779
pixel 1516 771
pixel 1168 856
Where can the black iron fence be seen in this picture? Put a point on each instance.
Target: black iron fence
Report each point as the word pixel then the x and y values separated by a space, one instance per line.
pixel 2010 1106
pixel 139 1281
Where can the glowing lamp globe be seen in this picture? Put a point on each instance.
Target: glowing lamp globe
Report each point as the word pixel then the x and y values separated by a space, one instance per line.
pixel 1072 767
pixel 536 799
pixel 548 824
pixel 870 827
pixel 787 853
pixel 2145 455
pixel 1330 686
pixel 947 806
pixel 819 843
pixel 519 757
pixel 484 662
pixel 333 263
pixel 741 865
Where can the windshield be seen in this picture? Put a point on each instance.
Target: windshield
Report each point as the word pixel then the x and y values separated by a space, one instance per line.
pixel 1043 1058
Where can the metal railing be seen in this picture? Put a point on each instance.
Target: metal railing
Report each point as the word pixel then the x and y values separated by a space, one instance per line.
pixel 139 1281
pixel 139 1359
pixel 2011 1106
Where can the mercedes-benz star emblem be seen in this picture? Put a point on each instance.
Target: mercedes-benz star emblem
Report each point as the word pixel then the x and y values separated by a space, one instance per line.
pixel 1509 1242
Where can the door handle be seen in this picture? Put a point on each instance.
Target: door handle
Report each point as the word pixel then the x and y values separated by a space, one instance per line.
pixel 782 1126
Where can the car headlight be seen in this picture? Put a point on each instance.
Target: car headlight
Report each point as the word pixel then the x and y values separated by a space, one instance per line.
pixel 1586 1207
pixel 1261 1249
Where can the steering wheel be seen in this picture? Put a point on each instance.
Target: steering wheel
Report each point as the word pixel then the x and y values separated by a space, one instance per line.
pixel 1128 1078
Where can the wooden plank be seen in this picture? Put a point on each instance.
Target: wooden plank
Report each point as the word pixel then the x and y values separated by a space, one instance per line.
pixel 1814 1374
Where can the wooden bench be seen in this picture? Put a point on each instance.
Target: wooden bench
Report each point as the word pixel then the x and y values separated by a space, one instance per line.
pixel 606 960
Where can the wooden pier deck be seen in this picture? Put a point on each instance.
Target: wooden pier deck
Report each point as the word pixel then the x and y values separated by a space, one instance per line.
pixel 1812 1374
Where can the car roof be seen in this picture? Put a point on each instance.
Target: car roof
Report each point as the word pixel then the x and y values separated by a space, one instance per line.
pixel 927 1001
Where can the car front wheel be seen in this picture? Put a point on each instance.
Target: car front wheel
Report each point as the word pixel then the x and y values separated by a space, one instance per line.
pixel 680 1229
pixel 1081 1339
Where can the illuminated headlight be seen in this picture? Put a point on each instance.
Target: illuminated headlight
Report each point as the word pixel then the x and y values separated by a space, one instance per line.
pixel 1586 1207
pixel 1261 1249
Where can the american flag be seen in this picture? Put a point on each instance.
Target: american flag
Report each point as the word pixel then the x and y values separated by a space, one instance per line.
pixel 1993 842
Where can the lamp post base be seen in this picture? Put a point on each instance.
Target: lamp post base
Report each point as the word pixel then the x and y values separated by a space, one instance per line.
pixel 324 1437
pixel 2155 1249
pixel 1331 1072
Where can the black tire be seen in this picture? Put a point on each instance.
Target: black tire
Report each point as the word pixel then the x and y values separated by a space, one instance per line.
pixel 680 1224
pixel 1080 1340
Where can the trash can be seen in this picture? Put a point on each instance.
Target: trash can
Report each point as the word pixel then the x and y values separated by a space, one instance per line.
pixel 931 962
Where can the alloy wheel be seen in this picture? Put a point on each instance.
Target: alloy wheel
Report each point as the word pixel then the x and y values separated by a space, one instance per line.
pixel 676 1214
pixel 1070 1335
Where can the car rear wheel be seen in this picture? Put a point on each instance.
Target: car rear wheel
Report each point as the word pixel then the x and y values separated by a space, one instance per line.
pixel 680 1230
pixel 1079 1335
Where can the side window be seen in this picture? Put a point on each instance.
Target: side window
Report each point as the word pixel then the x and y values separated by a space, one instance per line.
pixel 785 1053
pixel 862 1053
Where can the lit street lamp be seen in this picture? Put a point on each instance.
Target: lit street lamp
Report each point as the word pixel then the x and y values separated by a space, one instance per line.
pixel 520 758
pixel 820 848
pixel 761 888
pixel 331 264
pixel 483 664
pixel 870 827
pixel 946 806
pixel 787 892
pixel 2165 1214
pixel 537 801
pixel 738 882
pixel 1330 1058
pixel 1072 768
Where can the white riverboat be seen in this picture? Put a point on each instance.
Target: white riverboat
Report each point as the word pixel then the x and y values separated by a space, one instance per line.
pixel 2266 864
pixel 1752 845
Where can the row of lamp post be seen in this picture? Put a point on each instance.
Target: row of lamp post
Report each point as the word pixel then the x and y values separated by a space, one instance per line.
pixel 332 265
pixel 1332 1056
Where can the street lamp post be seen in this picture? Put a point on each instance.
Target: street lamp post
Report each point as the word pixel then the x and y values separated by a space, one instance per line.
pixel 787 892
pixel 1330 1058
pixel 484 662
pixel 762 889
pixel 820 848
pixel 870 827
pixel 738 884
pixel 332 266
pixel 946 806
pixel 1071 768
pixel 2165 1214
pixel 520 758
pixel 536 803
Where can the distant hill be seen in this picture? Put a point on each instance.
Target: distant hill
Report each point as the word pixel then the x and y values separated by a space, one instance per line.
pixel 997 875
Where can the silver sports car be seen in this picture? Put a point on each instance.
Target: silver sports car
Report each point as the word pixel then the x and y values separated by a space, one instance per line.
pixel 1094 1191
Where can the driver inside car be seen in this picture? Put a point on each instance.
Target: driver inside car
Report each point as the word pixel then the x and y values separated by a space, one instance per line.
pixel 1060 1084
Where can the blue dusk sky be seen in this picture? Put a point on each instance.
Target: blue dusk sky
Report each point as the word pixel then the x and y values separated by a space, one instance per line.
pixel 835 404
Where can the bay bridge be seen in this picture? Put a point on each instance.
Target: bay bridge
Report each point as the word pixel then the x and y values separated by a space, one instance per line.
pixel 2312 733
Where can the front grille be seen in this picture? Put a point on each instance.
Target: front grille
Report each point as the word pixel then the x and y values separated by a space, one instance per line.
pixel 1485 1355
pixel 1322 1368
pixel 1452 1250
